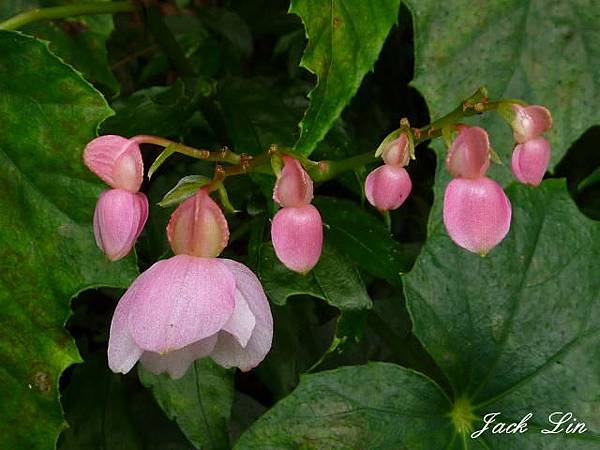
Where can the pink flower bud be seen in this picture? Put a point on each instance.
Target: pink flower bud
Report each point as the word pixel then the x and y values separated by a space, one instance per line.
pixel 119 218
pixel 297 235
pixel 118 161
pixel 530 161
pixel 397 152
pixel 185 308
pixel 387 187
pixel 476 213
pixel 469 155
pixel 294 187
pixel 198 227
pixel 530 122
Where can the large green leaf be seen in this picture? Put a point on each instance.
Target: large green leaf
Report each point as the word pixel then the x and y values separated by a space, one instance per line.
pixel 378 405
pixel 48 251
pixel 344 41
pixel 81 41
pixel 545 52
pixel 515 332
pixel 200 401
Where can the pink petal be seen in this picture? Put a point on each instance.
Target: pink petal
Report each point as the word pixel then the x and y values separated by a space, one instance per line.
pixel 198 227
pixel 530 161
pixel 123 352
pixel 119 219
pixel 177 362
pixel 476 213
pixel 242 321
pixel 118 161
pixel 387 187
pixel 397 152
pixel 530 122
pixel 469 155
pixel 228 352
pixel 293 187
pixel 297 235
pixel 179 301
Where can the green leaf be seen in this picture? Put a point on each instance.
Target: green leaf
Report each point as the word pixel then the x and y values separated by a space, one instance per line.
pixel 363 238
pixel 344 41
pixel 159 110
pixel 257 115
pixel 378 405
pixel 515 332
pixel 200 401
pixel 334 279
pixel 115 412
pixel 542 52
pixel 185 188
pixel 81 41
pixel 48 251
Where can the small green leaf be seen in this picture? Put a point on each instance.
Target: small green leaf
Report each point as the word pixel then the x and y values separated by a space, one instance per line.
pixel 185 188
pixel 200 401
pixel 590 180
pixel 48 113
pixel 160 159
pixel 344 41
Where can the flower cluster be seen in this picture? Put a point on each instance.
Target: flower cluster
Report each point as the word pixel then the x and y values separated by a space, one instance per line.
pixel 189 306
pixel 476 210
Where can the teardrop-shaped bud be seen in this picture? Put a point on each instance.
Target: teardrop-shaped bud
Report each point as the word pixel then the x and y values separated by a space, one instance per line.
pixel 476 213
pixel 294 187
pixel 119 219
pixel 469 155
pixel 530 122
pixel 387 187
pixel 198 227
pixel 118 161
pixel 397 152
pixel 297 235
pixel 530 161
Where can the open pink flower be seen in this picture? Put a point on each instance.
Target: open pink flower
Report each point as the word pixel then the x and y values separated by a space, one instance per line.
pixel 119 218
pixel 192 305
pixel 476 213
pixel 297 228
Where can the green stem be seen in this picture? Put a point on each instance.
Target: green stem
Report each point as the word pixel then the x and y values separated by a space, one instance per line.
pixel 62 12
pixel 224 155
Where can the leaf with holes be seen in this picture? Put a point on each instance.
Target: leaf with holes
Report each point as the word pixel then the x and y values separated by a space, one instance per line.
pixel 344 41
pixel 48 115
